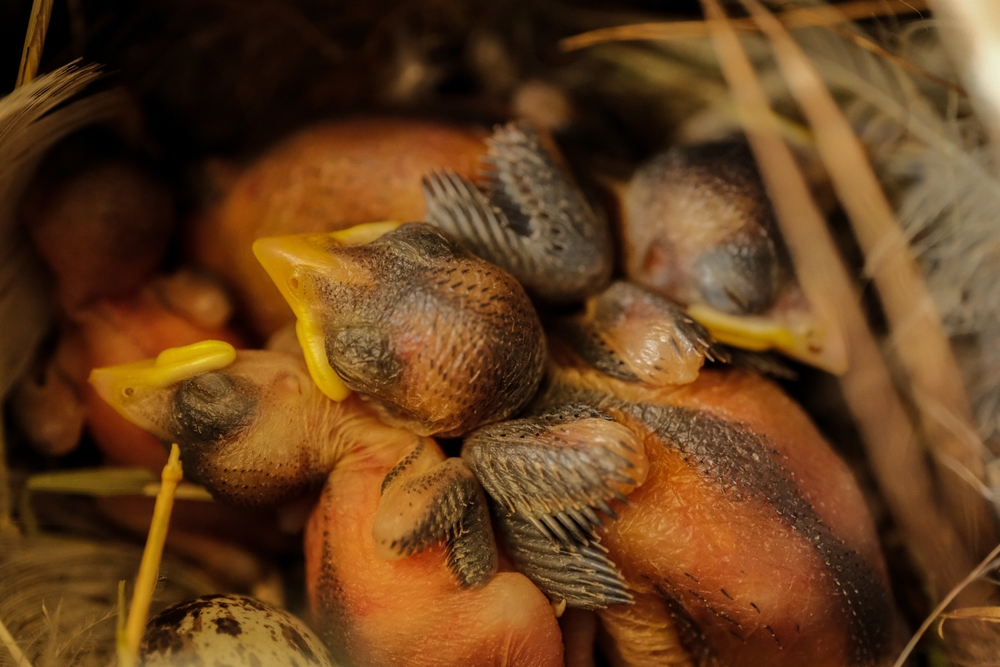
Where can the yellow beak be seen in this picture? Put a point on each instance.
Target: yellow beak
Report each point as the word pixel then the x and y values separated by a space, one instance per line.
pixel 800 336
pixel 124 386
pixel 288 260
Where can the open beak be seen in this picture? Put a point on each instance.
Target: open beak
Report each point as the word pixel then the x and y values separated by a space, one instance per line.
pixel 129 388
pixel 798 334
pixel 288 259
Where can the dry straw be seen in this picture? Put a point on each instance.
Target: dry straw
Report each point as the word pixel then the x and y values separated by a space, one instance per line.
pixel 946 540
pixel 923 403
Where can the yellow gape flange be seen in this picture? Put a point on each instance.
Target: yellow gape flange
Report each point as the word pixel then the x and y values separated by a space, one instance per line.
pixel 364 233
pixel 804 339
pixel 119 384
pixel 284 258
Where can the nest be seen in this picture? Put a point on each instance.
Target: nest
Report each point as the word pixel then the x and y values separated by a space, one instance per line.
pixel 221 78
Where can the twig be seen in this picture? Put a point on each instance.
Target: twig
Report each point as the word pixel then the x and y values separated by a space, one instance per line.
pixel 792 18
pixel 145 582
pixel 20 660
pixel 948 599
pixel 915 326
pixel 34 41
pixel 869 45
pixel 868 389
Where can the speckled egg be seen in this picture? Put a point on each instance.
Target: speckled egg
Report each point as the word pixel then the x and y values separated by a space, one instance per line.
pixel 230 631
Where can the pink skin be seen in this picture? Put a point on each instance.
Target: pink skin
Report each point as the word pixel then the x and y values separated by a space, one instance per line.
pixel 103 232
pixel 389 612
pixel 257 431
pixel 747 586
pixel 118 331
pixel 326 178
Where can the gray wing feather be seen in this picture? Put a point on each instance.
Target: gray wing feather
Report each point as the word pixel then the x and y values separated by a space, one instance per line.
pixel 583 576
pixel 530 218
pixel 557 488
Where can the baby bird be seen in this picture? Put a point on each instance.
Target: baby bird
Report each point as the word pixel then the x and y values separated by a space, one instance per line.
pixel 326 178
pixel 168 311
pixel 400 558
pixel 731 533
pixel 698 227
pixel 507 197
pixel 439 341
pixel 103 232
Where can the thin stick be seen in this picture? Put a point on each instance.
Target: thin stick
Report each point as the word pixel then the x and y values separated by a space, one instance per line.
pixel 869 45
pixel 122 613
pixel 145 582
pixel 20 660
pixel 915 326
pixel 948 599
pixel 868 389
pixel 34 41
pixel 793 18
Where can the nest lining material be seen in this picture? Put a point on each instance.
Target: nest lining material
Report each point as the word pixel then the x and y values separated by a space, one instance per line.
pixel 927 147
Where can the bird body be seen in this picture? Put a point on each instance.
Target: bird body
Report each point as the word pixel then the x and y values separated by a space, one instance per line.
pixel 326 178
pixel 697 226
pixel 749 542
pixel 716 526
pixel 378 611
pixel 400 557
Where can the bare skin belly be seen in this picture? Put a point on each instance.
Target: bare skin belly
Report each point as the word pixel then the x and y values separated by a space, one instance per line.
pixel 778 568
pixel 411 611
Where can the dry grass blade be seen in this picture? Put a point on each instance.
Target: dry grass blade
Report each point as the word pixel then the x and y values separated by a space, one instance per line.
pixel 108 481
pixel 915 326
pixel 97 482
pixel 988 614
pixel 792 18
pixel 145 581
pixel 888 435
pixel 34 41
pixel 971 29
pixel 20 660
pixel 984 565
pixel 869 45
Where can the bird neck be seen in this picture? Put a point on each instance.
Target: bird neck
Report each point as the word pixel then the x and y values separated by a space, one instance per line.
pixel 352 436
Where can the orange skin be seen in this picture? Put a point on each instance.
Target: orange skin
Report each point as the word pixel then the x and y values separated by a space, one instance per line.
pixel 103 232
pixel 756 591
pixel 326 178
pixel 410 611
pixel 117 331
pixel 685 204
pixel 257 432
